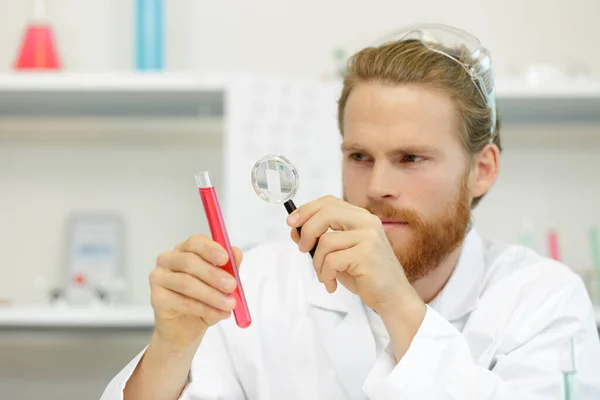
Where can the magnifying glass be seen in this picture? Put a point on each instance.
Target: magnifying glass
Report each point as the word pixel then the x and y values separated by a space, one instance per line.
pixel 275 180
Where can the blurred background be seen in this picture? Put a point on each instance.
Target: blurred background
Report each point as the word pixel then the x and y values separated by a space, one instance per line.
pixel 108 108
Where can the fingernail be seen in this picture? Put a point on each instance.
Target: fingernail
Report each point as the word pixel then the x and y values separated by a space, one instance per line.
pixel 293 218
pixel 220 257
pixel 300 244
pixel 229 302
pixel 227 284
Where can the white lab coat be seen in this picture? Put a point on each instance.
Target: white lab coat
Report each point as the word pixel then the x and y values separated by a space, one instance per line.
pixel 494 332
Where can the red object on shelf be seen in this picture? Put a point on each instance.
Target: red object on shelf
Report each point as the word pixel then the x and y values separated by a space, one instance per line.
pixel 80 279
pixel 553 245
pixel 38 50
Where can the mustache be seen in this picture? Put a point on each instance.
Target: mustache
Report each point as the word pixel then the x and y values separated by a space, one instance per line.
pixel 388 212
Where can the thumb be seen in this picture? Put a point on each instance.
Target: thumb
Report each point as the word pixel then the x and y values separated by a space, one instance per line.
pixel 238 254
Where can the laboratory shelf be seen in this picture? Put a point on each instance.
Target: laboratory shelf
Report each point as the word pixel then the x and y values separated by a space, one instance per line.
pixel 123 317
pixel 37 317
pixel 183 95
pixel 567 102
pixel 111 95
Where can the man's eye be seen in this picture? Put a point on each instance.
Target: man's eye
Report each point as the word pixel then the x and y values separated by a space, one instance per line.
pixel 357 157
pixel 411 158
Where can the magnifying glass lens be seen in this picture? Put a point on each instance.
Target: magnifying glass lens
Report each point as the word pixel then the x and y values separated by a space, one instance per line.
pixel 275 179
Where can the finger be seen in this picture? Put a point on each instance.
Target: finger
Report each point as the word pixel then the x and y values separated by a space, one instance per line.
pixel 331 286
pixel 206 248
pixel 192 264
pixel 334 216
pixel 335 263
pixel 184 305
pixel 331 242
pixel 194 288
pixel 308 210
pixel 299 216
pixel 238 254
pixel 295 235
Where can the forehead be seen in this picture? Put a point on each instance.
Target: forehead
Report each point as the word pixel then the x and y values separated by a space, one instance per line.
pixel 403 114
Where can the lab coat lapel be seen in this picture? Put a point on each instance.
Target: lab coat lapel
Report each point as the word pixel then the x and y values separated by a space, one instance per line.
pixel 348 341
pixel 461 294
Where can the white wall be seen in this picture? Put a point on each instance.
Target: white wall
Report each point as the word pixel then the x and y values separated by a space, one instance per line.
pixel 298 37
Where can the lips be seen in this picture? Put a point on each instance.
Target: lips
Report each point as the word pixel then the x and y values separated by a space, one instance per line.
pixel 391 221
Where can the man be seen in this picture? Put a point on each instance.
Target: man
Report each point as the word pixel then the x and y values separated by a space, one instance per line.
pixel 403 299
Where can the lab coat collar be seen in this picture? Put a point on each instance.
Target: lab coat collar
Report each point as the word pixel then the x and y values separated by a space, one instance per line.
pixel 461 294
pixel 459 297
pixel 350 345
pixel 342 300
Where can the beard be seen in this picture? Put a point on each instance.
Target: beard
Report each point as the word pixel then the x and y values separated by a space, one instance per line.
pixel 432 240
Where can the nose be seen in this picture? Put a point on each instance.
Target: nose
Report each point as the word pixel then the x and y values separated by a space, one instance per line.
pixel 381 182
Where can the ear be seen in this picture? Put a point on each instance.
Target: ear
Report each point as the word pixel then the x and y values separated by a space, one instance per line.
pixel 485 169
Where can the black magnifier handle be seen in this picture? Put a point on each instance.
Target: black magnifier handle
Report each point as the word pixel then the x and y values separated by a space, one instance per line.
pixel 290 207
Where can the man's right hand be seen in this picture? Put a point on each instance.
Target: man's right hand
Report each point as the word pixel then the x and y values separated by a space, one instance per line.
pixel 189 290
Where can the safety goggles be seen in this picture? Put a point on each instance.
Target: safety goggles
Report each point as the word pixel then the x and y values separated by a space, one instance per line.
pixel 463 48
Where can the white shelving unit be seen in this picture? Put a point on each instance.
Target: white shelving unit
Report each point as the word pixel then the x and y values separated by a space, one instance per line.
pixel 149 95
pixel 34 317
pixel 578 101
pixel 179 96
pixel 125 317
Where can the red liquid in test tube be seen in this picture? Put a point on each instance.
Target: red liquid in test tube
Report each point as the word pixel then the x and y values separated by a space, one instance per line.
pixel 219 235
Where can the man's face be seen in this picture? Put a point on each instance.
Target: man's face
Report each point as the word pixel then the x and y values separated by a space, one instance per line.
pixel 404 162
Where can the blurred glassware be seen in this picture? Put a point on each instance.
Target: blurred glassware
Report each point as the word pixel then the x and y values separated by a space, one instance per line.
pixel 38 48
pixel 536 74
pixel 568 367
pixel 149 34
pixel 340 59
pixel 579 72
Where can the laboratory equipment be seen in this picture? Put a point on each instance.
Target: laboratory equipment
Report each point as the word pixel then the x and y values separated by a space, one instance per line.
pixel 275 180
pixel 149 34
pixel 552 238
pixel 569 370
pixel 218 231
pixel 461 47
pixel 95 255
pixel 38 49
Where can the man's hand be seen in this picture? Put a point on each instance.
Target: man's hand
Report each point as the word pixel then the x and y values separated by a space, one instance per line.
pixel 189 290
pixel 189 293
pixel 357 253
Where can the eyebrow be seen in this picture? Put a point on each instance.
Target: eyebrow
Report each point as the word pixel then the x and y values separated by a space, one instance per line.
pixel 422 149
